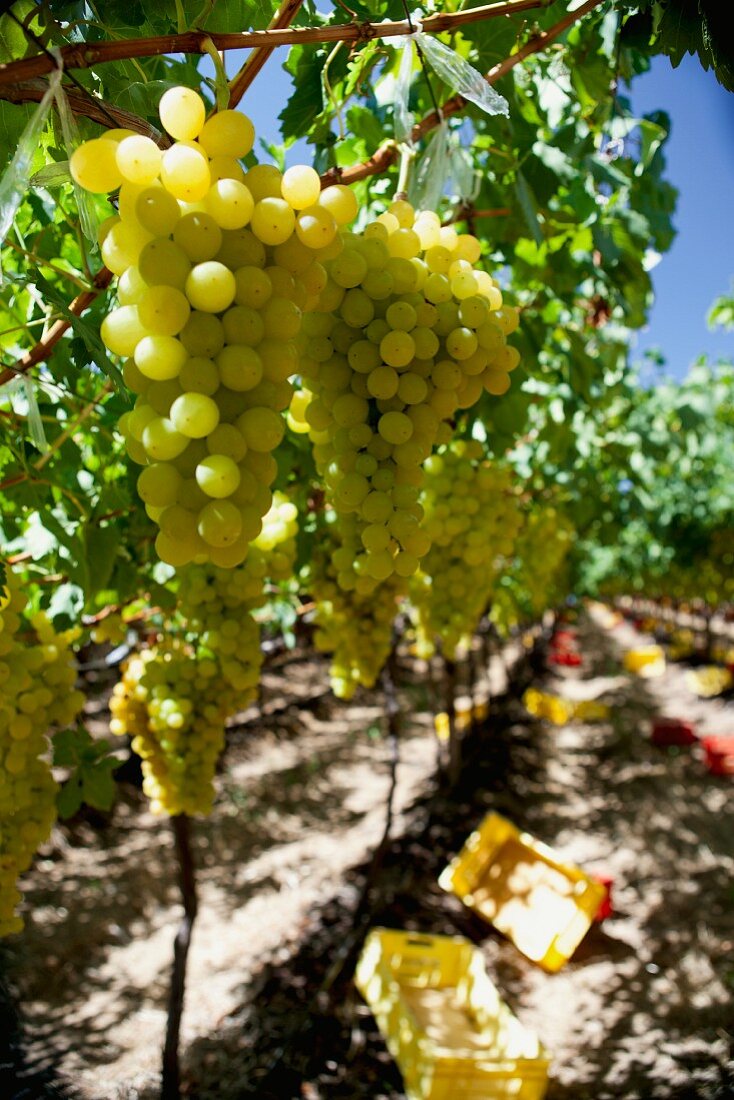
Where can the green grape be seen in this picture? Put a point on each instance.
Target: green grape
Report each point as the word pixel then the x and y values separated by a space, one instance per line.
pixel 185 173
pixel 157 211
pixel 94 166
pixel 164 311
pixel 210 287
pixel 230 204
pixel 199 236
pixel 227 133
pixel 182 113
pixel 194 415
pixel 138 159
pixel 300 186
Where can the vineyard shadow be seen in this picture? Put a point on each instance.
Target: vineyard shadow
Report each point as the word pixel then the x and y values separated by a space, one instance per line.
pixel 653 996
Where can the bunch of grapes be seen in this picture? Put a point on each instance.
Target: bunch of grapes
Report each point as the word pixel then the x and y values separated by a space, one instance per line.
pixel 174 700
pixel 215 266
pixel 356 629
pixel 37 678
pixel 473 517
pixel 407 332
pixel 542 550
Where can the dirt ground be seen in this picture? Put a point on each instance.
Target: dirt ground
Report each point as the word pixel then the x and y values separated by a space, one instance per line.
pixel 644 1008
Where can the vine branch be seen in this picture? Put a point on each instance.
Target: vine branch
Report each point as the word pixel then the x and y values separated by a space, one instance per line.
pixel 283 18
pixel 388 153
pixel 83 55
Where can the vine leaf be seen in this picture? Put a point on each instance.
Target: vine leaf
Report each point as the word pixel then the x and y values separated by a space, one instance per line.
pixel 91 781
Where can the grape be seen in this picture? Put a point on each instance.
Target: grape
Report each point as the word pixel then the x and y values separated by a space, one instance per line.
pixel 159 484
pixel 316 227
pixel 210 287
pixel 272 221
pixel 157 211
pixel 93 166
pixel 160 357
pixel 161 262
pixel 218 476
pixel 340 202
pixel 121 330
pixel 194 415
pixel 163 311
pixel 182 113
pixel 230 204
pixel 300 186
pixel 185 173
pixel 227 133
pixel 138 159
pixel 199 236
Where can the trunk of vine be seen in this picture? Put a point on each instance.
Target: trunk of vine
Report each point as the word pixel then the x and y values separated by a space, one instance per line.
pixel 449 686
pixel 171 1079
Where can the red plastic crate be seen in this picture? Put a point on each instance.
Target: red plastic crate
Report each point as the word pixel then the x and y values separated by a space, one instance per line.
pixel 719 754
pixel 672 731
pixel 606 908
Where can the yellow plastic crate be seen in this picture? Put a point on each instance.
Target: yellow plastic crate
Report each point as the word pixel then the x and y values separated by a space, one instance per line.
pixel 520 886
pixel 646 661
pixel 708 681
pixel 444 1022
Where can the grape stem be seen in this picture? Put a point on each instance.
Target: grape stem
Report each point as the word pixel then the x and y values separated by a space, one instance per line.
pixel 83 55
pixel 378 163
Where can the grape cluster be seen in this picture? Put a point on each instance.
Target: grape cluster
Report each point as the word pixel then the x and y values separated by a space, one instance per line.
pixel 174 699
pixel 473 517
pixel 215 267
pixel 356 629
pixel 542 550
pixel 407 332
pixel 37 692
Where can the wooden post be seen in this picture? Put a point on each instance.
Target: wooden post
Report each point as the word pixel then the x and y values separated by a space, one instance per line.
pixel 171 1081
pixel 449 686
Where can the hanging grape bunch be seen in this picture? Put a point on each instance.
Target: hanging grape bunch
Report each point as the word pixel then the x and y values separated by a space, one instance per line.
pixel 215 266
pixel 408 331
pixel 473 517
pixel 174 699
pixel 37 674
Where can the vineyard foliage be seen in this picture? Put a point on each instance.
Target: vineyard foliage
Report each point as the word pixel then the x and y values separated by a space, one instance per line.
pixel 440 403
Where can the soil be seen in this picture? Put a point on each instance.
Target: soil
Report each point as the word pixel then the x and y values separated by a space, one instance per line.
pixel 288 889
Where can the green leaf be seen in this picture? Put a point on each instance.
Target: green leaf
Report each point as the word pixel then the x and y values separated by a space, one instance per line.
pixel 307 102
pixel 528 206
pixel 69 798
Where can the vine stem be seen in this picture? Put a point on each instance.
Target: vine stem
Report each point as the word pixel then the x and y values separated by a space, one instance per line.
pixel 378 163
pixel 83 55
pixel 171 1080
pixel 239 84
pixel 43 348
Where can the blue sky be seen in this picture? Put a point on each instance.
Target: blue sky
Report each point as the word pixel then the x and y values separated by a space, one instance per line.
pixel 700 163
